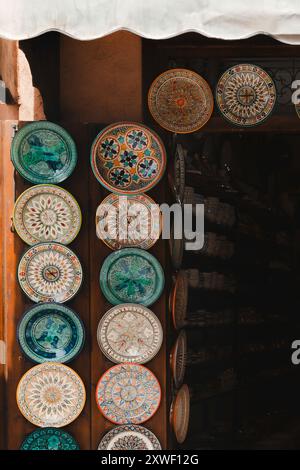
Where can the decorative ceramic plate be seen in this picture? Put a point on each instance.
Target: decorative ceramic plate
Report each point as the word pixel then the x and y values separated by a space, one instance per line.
pixel 131 275
pixel 178 359
pixel 43 152
pixel 179 300
pixel 128 158
pixel 176 246
pixel 50 272
pixel 51 332
pixel 180 413
pixel 180 100
pixel 47 213
pixel 246 94
pixel 128 221
pixel 129 437
pixel 49 439
pixel 129 333
pixel 128 394
pixel 177 174
pixel 51 395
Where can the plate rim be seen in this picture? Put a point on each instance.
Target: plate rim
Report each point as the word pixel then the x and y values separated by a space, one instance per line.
pixel 48 125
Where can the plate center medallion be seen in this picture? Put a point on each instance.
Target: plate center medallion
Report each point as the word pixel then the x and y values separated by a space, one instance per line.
pixel 129 393
pixel 246 95
pixel 48 217
pixel 51 273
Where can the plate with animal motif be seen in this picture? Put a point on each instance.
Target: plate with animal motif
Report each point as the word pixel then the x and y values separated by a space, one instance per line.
pixel 51 395
pixel 51 332
pixel 43 152
pixel 128 158
pixel 128 221
pixel 129 333
pixel 180 101
pixel 129 437
pixel 178 358
pixel 177 174
pixel 50 272
pixel 128 394
pixel 131 275
pixel 180 413
pixel 49 439
pixel 246 95
pixel 179 300
pixel 47 213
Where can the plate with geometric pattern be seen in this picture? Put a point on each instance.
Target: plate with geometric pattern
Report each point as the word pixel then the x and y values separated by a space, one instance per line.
pixel 49 439
pixel 129 437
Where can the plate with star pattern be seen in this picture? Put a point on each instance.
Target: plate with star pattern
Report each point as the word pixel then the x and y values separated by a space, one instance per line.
pixel 129 437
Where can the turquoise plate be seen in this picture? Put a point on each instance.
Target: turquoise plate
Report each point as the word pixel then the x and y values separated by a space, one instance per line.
pixel 49 439
pixel 43 152
pixel 51 332
pixel 131 275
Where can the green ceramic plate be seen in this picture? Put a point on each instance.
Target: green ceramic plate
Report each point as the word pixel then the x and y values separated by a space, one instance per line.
pixel 51 332
pixel 43 152
pixel 49 439
pixel 131 275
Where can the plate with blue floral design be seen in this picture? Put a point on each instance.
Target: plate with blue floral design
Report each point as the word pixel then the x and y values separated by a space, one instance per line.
pixel 51 332
pixel 132 275
pixel 49 439
pixel 43 152
pixel 128 157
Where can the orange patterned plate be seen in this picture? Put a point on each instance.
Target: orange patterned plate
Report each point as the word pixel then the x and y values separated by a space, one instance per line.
pixel 178 300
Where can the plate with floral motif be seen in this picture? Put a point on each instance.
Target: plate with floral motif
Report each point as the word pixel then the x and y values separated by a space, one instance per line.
pixel 128 158
pixel 51 332
pixel 129 333
pixel 47 213
pixel 129 437
pixel 180 101
pixel 128 394
pixel 49 439
pixel 43 152
pixel 246 95
pixel 51 395
pixel 180 413
pixel 131 275
pixel 128 221
pixel 50 272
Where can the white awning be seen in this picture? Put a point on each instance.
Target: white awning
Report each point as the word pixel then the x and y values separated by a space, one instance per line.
pixel 155 19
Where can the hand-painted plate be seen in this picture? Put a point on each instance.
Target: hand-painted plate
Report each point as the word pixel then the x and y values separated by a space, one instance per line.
pixel 51 333
pixel 180 414
pixel 50 272
pixel 131 275
pixel 128 221
pixel 179 300
pixel 47 213
pixel 43 152
pixel 180 101
pixel 128 394
pixel 51 395
pixel 129 437
pixel 128 158
pixel 129 333
pixel 178 359
pixel 246 95
pixel 177 174
pixel 49 439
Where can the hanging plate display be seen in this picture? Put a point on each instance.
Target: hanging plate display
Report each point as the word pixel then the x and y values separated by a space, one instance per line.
pixel 176 246
pixel 129 333
pixel 46 213
pixel 51 332
pixel 128 221
pixel 129 437
pixel 43 152
pixel 51 395
pixel 246 94
pixel 128 394
pixel 128 158
pixel 178 359
pixel 179 300
pixel 49 439
pixel 177 174
pixel 131 275
pixel 180 414
pixel 50 272
pixel 180 101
